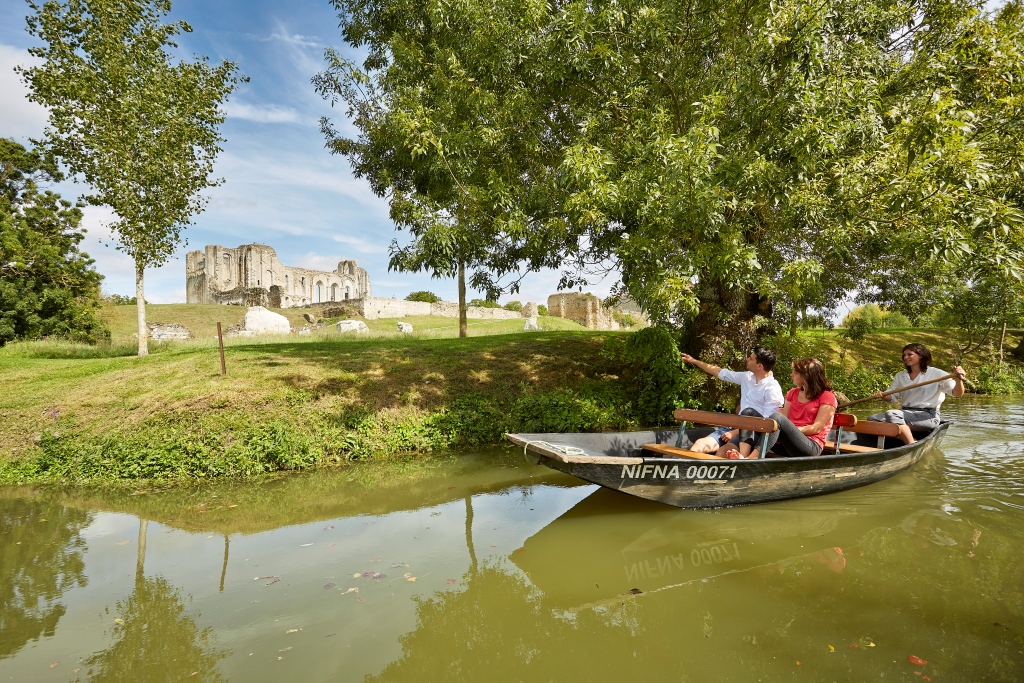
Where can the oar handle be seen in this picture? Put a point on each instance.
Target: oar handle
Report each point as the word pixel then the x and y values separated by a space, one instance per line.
pixel 897 391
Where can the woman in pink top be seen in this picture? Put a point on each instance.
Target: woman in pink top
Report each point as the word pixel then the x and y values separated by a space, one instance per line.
pixel 806 416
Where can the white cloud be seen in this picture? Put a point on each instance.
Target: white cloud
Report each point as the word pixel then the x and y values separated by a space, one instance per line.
pixel 262 113
pixel 19 118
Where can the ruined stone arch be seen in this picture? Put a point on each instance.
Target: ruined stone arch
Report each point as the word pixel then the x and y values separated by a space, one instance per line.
pixel 319 292
pixel 334 292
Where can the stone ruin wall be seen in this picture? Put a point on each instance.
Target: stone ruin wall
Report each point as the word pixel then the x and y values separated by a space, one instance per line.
pixel 372 308
pixel 252 275
pixel 591 313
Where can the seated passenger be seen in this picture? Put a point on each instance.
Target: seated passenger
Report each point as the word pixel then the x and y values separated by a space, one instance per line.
pixel 806 417
pixel 919 408
pixel 760 395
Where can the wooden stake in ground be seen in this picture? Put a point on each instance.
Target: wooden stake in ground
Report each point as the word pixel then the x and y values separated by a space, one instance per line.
pixel 897 391
pixel 220 343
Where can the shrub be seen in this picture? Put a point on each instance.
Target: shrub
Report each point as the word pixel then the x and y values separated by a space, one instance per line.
pixel 513 306
pixel 424 296
pixel 653 374
pixel 542 309
pixel 870 313
pixel 484 303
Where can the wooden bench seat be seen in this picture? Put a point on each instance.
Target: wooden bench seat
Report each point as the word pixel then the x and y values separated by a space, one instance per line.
pixel 850 423
pixel 673 452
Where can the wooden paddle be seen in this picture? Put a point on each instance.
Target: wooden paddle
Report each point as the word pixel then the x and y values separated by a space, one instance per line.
pixel 898 391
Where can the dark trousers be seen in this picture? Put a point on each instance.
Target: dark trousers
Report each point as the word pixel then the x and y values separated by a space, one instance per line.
pixel 796 443
pixel 753 439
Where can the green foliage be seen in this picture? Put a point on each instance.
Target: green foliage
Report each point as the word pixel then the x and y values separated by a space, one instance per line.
pixel 141 130
pixel 896 320
pixel 993 379
pixel 48 286
pixel 513 306
pixel 857 329
pixel 653 374
pixel 424 296
pixel 870 313
pixel 484 303
pixel 542 309
pixel 120 300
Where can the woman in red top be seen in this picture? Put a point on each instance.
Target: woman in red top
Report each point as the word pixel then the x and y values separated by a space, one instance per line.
pixel 806 416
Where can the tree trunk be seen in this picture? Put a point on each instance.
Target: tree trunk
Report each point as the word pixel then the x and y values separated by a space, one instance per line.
pixel 723 330
pixel 792 321
pixel 140 307
pixel 463 325
pixel 1002 341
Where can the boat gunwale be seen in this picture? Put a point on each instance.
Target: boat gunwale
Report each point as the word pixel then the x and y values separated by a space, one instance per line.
pixel 538 446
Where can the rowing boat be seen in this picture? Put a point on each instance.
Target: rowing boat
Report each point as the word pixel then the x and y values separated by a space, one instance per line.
pixel 637 463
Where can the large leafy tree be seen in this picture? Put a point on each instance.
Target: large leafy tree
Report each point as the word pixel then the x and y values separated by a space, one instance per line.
pixel 446 126
pixel 137 125
pixel 48 286
pixel 725 156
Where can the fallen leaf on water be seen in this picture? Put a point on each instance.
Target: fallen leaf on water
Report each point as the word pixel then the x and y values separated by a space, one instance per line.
pixel 305 545
pixel 272 581
pixel 411 578
pixel 798 663
pixel 328 527
pixel 917 673
pixel 970 553
pixel 292 630
pixel 209 536
pixel 450 488
pixel 233 506
pixel 396 565
pixel 350 590
pixel 917 661
pixel 635 591
pixel 356 575
pixel 375 559
pixel 124 542
pixel 279 658
pixel 119 620
pixel 831 649
pixel 975 537
pixel 54 664
pixel 328 586
pixel 451 582
pixel 853 645
pixel 77 670
pixel 926 678
pixel 285 649
pixel 406 575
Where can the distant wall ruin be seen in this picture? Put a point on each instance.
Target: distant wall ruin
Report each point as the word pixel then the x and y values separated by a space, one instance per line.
pixel 252 275
pixel 372 308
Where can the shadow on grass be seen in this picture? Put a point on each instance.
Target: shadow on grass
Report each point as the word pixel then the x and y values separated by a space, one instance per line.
pixel 429 373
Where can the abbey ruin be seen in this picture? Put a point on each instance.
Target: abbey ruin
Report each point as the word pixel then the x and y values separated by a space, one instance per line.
pixel 252 275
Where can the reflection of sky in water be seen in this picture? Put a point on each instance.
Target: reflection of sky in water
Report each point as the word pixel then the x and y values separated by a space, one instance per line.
pixel 924 563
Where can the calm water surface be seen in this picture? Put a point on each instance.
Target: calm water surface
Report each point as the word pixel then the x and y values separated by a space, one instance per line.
pixel 485 567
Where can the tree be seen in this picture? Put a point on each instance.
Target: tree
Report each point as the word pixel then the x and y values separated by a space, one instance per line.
pixel 444 127
pixel 47 285
pixel 138 128
pixel 424 296
pixel 702 146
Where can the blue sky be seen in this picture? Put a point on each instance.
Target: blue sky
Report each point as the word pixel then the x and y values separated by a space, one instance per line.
pixel 282 187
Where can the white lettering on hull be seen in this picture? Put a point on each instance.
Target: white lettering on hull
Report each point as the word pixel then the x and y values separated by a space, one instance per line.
pixel 704 474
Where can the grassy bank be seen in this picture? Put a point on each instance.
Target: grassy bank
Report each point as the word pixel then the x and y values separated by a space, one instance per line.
pixel 87 413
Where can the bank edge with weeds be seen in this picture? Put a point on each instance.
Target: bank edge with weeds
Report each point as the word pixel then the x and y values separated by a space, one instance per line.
pixel 232 443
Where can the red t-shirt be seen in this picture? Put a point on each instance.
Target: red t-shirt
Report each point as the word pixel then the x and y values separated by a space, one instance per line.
pixel 803 414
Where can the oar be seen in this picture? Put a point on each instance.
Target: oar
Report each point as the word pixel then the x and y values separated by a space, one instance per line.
pixel 897 391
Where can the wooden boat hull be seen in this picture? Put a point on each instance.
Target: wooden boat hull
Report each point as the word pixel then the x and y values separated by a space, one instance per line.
pixel 616 461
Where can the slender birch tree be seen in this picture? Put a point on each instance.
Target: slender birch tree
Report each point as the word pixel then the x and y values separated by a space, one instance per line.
pixel 136 124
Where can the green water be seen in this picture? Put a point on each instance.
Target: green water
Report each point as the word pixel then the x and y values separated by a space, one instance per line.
pixel 523 574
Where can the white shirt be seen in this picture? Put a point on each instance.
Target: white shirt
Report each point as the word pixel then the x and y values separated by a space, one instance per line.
pixel 930 396
pixel 765 397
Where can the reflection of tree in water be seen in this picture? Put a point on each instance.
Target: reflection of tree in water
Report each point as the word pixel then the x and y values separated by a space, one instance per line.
pixel 157 640
pixel 499 628
pixel 40 559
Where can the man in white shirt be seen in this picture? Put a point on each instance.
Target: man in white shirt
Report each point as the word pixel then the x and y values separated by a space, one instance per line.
pixel 760 396
pixel 919 408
